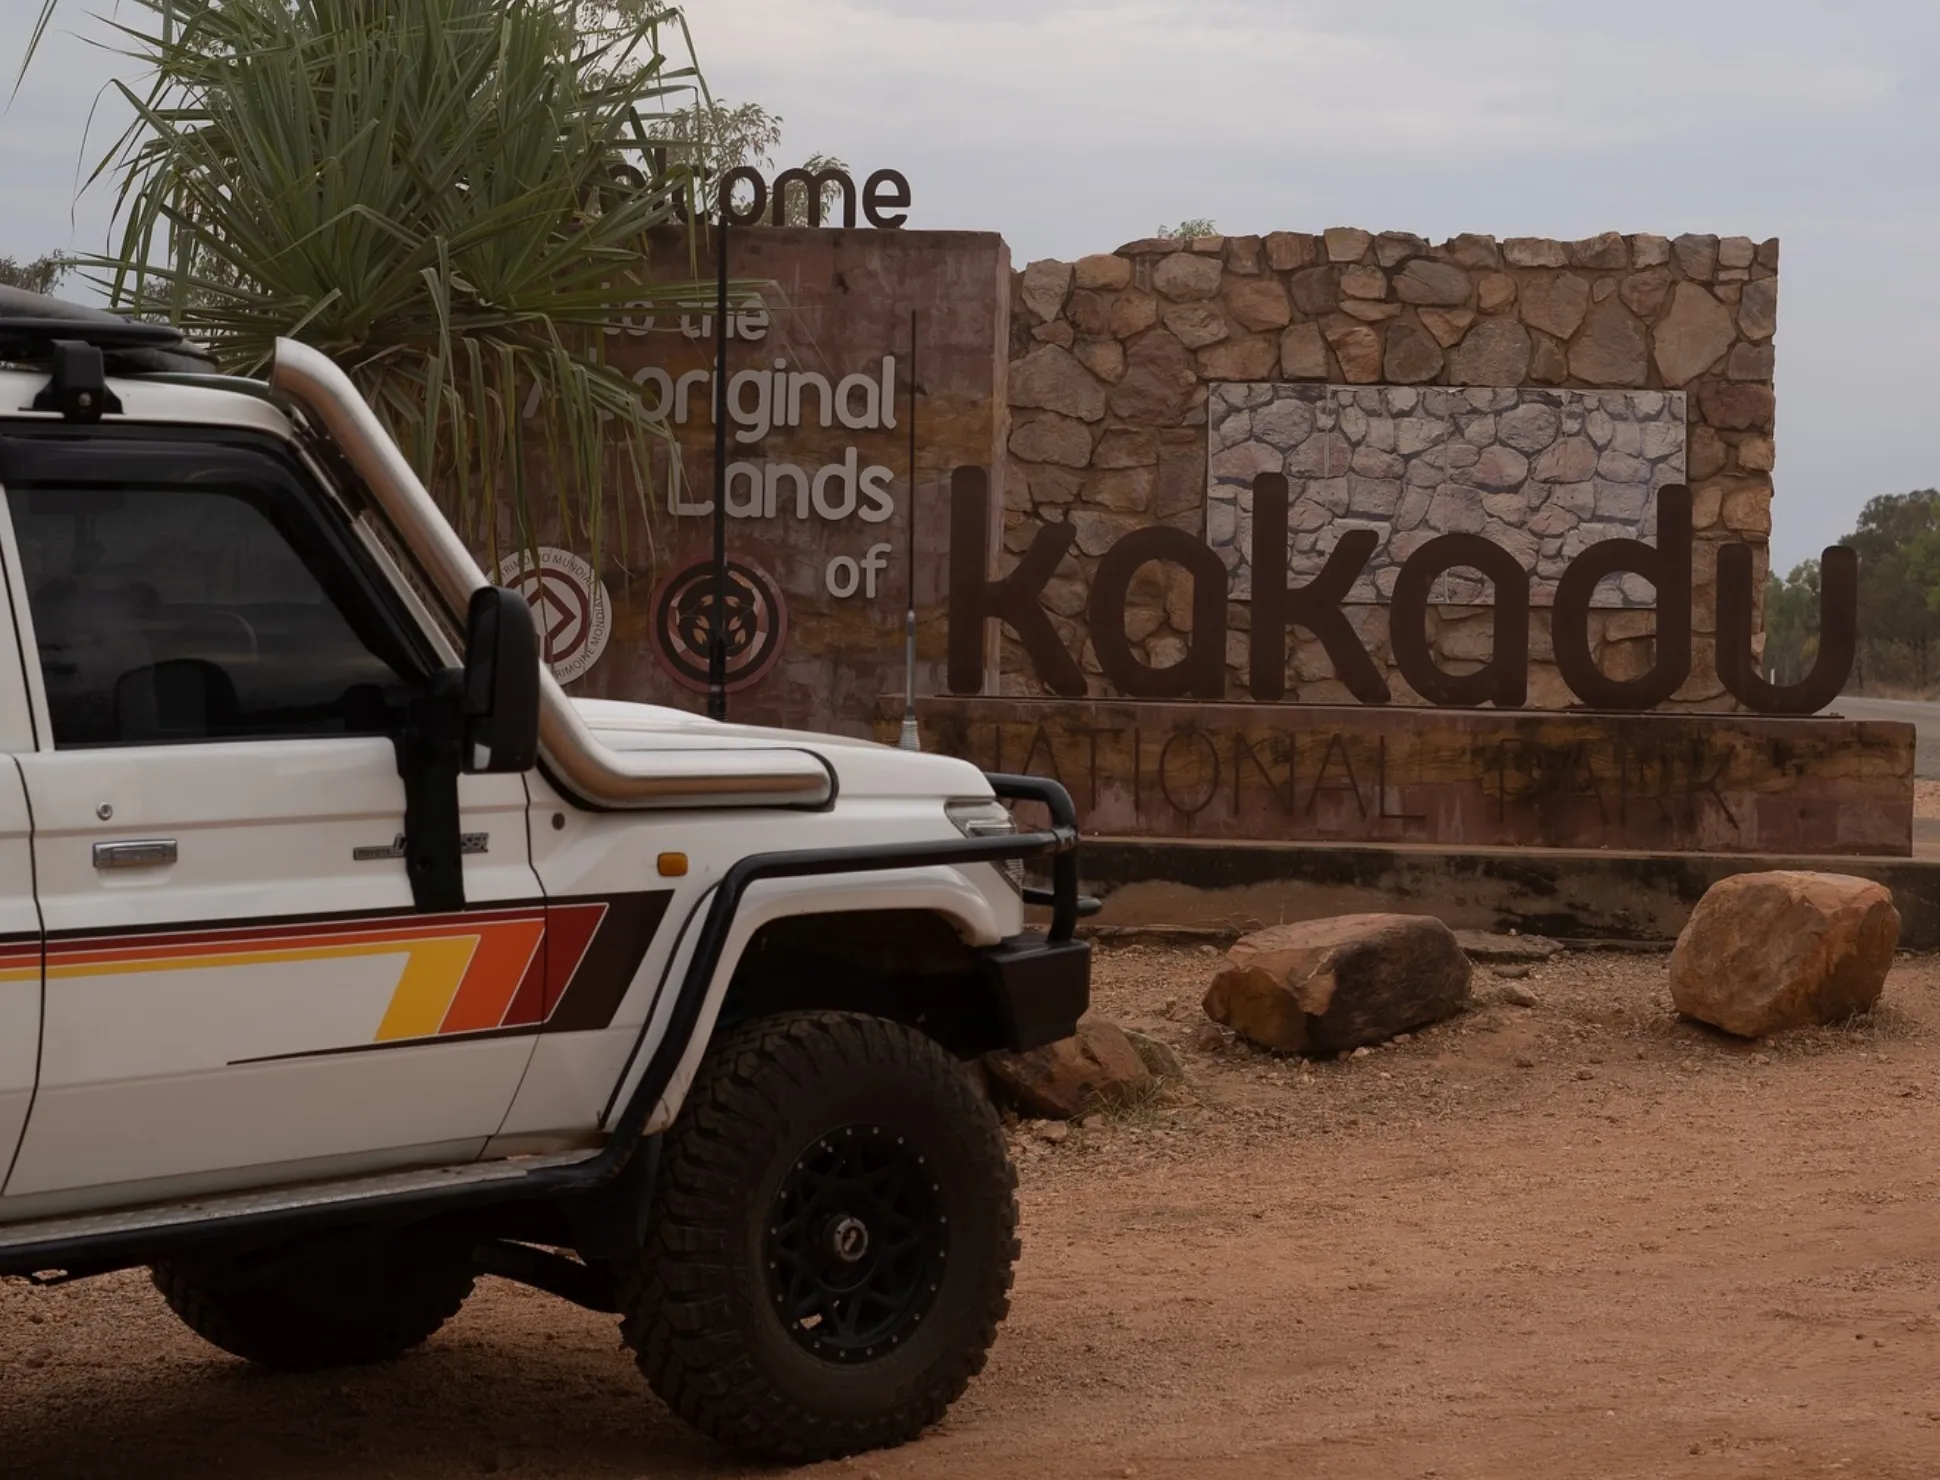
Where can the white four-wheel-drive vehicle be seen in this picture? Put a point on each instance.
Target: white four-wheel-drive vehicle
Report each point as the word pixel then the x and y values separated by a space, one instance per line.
pixel 344 957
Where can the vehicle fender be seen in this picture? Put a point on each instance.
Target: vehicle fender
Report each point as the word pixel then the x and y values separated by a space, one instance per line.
pixel 942 891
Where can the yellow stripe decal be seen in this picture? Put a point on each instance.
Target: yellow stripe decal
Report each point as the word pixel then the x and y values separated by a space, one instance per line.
pixel 430 981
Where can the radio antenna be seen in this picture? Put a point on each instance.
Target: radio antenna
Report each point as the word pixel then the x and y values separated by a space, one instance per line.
pixel 910 740
pixel 717 627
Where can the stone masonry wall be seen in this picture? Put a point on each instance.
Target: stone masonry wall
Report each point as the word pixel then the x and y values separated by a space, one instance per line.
pixel 1112 357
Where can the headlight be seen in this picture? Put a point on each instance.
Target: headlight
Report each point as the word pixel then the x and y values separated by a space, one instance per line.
pixel 988 818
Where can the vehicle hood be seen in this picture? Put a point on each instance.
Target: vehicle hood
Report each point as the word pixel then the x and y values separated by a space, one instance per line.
pixel 862 767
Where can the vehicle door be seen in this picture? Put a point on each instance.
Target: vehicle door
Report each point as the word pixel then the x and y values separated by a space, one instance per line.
pixel 240 989
pixel 19 915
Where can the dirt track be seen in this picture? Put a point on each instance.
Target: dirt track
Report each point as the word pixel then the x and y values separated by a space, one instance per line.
pixel 1648 1252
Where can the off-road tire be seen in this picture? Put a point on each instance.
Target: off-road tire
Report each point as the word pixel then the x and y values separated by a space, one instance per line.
pixel 699 1312
pixel 363 1305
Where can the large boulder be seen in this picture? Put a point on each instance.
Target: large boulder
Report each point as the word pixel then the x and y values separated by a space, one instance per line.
pixel 1784 949
pixel 1323 986
pixel 1096 1066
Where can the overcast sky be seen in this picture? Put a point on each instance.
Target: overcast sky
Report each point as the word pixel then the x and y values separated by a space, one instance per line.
pixel 1071 128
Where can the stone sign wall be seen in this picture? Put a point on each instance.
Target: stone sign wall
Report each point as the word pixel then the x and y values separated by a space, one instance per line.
pixel 1534 392
pixel 1114 360
pixel 1541 473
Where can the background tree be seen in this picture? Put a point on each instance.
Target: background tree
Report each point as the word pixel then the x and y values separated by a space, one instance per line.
pixel 1792 623
pixel 1897 538
pixel 711 138
pixel 42 275
pixel 443 195
pixel 717 136
pixel 1190 227
pixel 1898 541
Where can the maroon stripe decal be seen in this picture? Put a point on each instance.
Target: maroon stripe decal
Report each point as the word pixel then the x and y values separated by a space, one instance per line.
pixel 611 961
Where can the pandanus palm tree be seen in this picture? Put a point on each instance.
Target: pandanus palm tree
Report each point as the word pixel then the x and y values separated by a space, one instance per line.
pixel 449 197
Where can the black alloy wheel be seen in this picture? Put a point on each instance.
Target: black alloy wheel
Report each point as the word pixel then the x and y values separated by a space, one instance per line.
pixel 857 1243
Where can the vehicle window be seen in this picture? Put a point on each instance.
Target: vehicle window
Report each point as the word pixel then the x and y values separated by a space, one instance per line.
pixel 189 612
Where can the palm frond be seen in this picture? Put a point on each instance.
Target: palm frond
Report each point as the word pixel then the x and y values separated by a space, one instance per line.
pixel 430 191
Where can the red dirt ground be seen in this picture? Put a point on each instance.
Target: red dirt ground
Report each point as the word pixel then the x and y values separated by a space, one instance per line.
pixel 1575 1239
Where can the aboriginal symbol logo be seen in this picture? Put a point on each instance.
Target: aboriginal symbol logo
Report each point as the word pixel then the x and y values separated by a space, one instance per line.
pixel 569 607
pixel 683 623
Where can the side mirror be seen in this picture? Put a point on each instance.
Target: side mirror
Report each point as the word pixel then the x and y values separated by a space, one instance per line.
pixel 501 702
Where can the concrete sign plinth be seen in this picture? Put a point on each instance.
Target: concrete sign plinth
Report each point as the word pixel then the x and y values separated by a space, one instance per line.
pixel 1458 778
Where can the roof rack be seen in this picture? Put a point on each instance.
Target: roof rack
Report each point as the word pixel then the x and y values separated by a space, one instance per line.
pixel 25 337
pixel 82 345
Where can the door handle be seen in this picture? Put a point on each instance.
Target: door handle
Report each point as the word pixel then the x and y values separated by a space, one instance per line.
pixel 137 853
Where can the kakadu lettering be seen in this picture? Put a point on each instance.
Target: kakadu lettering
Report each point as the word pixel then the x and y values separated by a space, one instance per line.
pixel 1317 607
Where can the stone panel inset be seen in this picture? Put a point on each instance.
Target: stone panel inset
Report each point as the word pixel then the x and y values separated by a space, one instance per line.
pixel 1542 473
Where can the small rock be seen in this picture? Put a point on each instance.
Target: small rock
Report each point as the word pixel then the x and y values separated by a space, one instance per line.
pixel 1096 1065
pixel 1510 973
pixel 1523 1061
pixel 1360 1053
pixel 1519 997
pixel 1586 1073
pixel 1209 1039
pixel 1051 1132
pixel 1784 949
pixel 1404 1038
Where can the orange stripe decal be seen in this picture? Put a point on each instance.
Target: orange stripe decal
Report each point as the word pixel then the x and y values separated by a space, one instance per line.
pixel 504 953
